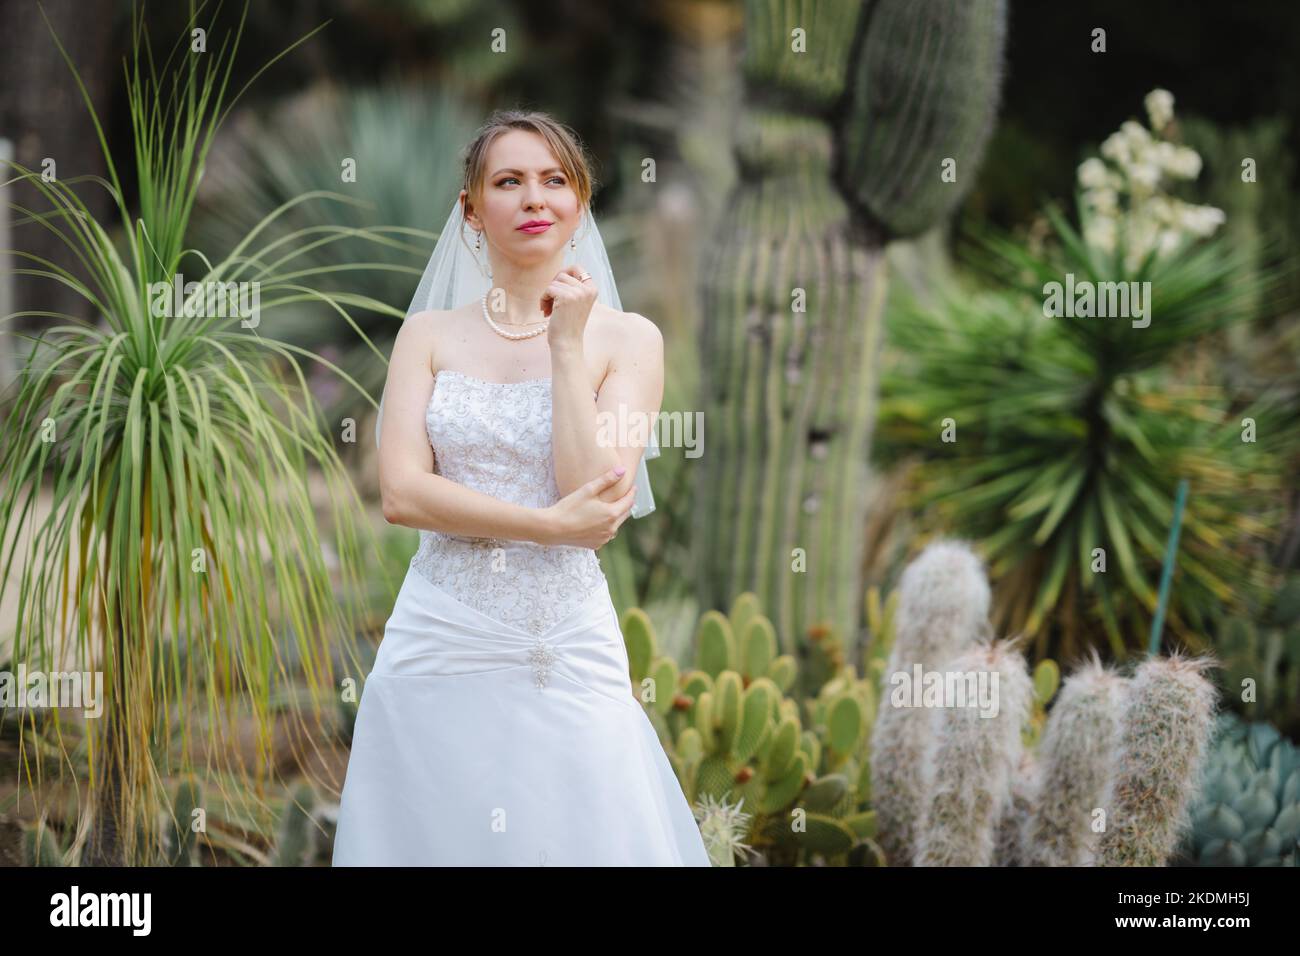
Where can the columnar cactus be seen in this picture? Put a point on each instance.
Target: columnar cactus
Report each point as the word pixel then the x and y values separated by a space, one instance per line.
pixel 844 143
pixel 926 83
pixel 971 761
pixel 1009 841
pixel 1075 762
pixel 942 609
pixel 1163 740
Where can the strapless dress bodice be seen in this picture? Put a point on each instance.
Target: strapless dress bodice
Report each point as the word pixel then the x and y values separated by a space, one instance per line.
pixel 495 437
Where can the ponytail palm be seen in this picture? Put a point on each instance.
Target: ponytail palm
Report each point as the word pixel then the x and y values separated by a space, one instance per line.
pixel 181 555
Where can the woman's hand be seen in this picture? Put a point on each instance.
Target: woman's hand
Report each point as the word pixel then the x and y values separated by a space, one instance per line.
pixel 581 519
pixel 568 301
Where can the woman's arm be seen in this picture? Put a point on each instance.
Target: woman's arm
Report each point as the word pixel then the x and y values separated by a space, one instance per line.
pixel 630 396
pixel 412 494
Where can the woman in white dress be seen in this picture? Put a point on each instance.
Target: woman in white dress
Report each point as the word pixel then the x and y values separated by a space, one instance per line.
pixel 498 725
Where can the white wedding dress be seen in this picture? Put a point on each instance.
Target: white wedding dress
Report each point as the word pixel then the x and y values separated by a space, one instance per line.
pixel 498 726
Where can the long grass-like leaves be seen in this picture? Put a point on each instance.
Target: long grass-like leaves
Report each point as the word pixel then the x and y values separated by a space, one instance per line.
pixel 157 490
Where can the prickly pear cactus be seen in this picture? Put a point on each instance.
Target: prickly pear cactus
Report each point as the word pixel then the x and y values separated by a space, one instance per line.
pixel 727 726
pixel 738 743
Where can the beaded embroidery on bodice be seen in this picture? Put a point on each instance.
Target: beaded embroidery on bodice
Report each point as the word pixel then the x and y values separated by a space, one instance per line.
pixel 495 437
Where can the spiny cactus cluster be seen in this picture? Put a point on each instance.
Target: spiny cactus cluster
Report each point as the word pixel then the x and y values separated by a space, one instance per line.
pixel 943 607
pixel 1248 811
pixel 736 741
pixel 1074 768
pixel 734 733
pixel 969 776
pixel 1163 735
pixel 1108 782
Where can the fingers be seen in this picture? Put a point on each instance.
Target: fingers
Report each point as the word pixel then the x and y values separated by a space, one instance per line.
pixel 607 480
pixel 624 506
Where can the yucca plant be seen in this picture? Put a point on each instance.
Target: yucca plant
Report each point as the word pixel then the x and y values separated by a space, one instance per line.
pixel 180 555
pixel 1050 437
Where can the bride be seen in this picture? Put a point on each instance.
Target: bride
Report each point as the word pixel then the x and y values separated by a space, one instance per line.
pixel 498 725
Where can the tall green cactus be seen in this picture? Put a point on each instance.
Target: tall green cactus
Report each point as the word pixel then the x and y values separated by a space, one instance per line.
pixel 927 81
pixel 852 109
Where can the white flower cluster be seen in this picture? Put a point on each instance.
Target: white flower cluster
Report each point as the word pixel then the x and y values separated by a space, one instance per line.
pixel 1126 197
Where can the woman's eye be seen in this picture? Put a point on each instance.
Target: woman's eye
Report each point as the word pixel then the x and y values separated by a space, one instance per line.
pixel 512 179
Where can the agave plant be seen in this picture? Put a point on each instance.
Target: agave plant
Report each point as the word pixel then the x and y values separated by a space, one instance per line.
pixel 1058 441
pixel 180 554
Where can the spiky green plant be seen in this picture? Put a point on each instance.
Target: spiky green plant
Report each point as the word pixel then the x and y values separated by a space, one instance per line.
pixel 732 735
pixel 41 846
pixel 297 838
pixel 181 553
pixel 722 827
pixel 181 846
pixel 1058 442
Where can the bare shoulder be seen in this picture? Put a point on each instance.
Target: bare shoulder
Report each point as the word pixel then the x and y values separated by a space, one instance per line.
pixel 421 330
pixel 425 322
pixel 628 336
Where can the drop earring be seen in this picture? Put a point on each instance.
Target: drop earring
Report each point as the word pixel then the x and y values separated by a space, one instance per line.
pixel 478 241
pixel 573 243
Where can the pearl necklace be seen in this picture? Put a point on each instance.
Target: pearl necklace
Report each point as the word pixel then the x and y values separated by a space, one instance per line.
pixel 510 335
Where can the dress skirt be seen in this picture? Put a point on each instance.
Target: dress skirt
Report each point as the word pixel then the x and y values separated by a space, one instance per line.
pixel 479 744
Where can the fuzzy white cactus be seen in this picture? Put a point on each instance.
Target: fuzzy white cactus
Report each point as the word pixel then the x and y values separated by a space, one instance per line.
pixel 1009 841
pixel 942 609
pixel 1074 757
pixel 1158 759
pixel 971 762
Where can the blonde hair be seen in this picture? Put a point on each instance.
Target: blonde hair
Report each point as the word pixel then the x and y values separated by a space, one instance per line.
pixel 564 143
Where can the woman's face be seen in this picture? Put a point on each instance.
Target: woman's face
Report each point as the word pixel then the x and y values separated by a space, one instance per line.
pixel 525 184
